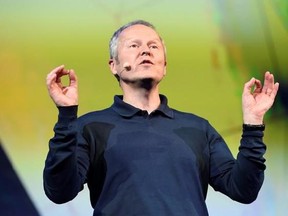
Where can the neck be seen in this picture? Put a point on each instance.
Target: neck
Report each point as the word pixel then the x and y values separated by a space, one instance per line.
pixel 143 98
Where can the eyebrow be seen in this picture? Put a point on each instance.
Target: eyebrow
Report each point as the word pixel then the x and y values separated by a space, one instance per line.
pixel 156 40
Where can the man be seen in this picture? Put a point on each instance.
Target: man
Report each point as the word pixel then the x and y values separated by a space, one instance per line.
pixel 141 157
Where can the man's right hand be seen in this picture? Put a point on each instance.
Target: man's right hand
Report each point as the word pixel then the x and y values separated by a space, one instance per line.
pixel 60 94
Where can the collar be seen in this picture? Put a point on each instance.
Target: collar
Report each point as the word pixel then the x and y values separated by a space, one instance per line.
pixel 127 110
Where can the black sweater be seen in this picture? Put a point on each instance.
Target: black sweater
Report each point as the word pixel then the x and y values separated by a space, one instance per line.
pixel 156 164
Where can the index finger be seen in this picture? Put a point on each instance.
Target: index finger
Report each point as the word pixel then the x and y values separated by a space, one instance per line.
pixel 56 74
pixel 248 86
pixel 55 71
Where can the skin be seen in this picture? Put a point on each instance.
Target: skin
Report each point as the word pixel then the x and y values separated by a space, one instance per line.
pixel 258 99
pixel 60 94
pixel 141 48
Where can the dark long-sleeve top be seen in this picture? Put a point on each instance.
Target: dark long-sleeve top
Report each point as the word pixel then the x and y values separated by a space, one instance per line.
pixel 137 163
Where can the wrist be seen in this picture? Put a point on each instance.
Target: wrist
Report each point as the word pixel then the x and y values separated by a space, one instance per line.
pixel 253 120
pixel 253 127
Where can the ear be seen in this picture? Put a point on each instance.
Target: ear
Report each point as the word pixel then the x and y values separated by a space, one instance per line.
pixel 165 66
pixel 112 66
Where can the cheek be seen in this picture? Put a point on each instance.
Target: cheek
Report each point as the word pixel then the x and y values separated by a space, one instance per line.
pixel 127 57
pixel 162 58
pixel 162 61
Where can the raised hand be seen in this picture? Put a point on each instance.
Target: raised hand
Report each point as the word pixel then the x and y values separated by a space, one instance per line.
pixel 60 94
pixel 257 100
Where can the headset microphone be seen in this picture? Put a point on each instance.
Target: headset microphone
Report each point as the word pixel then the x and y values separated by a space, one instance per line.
pixel 126 66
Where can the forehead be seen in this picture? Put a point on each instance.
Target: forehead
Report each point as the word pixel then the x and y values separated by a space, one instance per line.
pixel 139 32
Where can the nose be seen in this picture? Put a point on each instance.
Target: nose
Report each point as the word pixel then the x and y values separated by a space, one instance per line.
pixel 145 52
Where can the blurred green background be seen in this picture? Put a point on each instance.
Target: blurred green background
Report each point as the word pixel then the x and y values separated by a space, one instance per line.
pixel 213 48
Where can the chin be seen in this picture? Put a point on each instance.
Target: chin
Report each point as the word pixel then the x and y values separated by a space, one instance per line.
pixel 150 75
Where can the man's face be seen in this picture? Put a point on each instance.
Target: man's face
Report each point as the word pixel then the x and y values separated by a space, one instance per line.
pixel 141 48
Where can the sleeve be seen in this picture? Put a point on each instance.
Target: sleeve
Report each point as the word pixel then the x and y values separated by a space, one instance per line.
pixel 240 178
pixel 67 160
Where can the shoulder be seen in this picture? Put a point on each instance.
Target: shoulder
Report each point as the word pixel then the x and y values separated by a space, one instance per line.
pixel 188 116
pixel 104 115
pixel 187 119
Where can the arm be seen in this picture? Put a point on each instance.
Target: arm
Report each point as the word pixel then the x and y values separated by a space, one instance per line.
pixel 67 160
pixel 241 179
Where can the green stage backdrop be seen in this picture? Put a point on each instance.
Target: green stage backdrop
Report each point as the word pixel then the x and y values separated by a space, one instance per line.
pixel 213 47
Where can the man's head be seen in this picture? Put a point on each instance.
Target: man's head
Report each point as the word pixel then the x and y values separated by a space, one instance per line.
pixel 137 47
pixel 113 45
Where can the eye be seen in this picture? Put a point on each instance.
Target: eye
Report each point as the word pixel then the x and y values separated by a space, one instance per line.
pixel 133 46
pixel 153 46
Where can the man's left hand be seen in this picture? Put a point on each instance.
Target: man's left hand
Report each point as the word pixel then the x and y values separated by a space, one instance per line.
pixel 257 100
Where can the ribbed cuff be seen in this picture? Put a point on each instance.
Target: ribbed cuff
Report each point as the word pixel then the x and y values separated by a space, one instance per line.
pixel 67 113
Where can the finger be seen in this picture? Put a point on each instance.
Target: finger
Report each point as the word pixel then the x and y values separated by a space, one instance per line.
pixel 53 80
pixel 56 70
pixel 258 86
pixel 60 73
pixel 52 83
pixel 268 83
pixel 51 77
pixel 73 78
pixel 248 86
pixel 275 90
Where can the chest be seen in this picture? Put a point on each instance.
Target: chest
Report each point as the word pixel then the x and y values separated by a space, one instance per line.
pixel 148 144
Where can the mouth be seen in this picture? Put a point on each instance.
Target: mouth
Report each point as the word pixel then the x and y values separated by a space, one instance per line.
pixel 145 62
